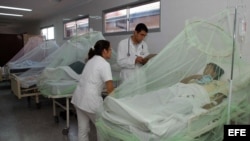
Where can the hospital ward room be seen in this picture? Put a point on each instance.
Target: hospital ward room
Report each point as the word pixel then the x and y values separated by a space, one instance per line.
pixel 137 70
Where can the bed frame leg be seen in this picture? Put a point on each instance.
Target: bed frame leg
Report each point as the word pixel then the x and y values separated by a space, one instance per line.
pixel 29 103
pixel 38 104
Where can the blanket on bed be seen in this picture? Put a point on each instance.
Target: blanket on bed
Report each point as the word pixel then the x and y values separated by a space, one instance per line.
pixel 164 111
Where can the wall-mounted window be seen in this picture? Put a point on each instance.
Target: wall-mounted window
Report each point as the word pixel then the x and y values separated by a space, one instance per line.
pixel 125 18
pixel 76 27
pixel 48 33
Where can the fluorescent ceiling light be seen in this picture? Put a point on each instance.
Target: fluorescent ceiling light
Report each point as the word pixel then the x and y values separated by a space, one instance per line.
pixel 66 19
pixel 95 17
pixel 15 8
pixel 7 14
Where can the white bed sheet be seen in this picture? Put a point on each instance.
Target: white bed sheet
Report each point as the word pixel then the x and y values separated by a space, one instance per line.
pixel 187 128
pixel 61 87
pixel 160 111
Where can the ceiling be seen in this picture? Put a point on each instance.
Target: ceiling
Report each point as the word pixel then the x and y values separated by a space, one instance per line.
pixel 41 9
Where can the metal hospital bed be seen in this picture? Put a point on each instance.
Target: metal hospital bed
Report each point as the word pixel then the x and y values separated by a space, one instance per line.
pixel 20 92
pixel 3 75
pixel 66 105
pixel 116 122
pixel 59 90
pixel 207 121
pixel 23 72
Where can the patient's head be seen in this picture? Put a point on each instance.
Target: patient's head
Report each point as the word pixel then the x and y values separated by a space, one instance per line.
pixel 214 70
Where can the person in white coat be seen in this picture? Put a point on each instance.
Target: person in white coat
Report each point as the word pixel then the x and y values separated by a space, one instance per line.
pixel 95 77
pixel 132 51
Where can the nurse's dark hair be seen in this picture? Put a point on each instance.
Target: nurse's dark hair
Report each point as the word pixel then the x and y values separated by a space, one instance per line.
pixel 141 27
pixel 218 70
pixel 98 48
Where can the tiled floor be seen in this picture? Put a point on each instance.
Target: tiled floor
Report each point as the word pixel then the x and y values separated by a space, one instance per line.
pixel 20 122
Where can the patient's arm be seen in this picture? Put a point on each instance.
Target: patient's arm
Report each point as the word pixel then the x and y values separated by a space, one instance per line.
pixel 187 79
pixel 218 98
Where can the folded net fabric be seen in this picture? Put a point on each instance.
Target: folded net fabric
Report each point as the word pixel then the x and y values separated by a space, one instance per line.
pixel 201 42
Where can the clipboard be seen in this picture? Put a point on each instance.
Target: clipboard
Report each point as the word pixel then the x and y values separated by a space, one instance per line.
pixel 149 56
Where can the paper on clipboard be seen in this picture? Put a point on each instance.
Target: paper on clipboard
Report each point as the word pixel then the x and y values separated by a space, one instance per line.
pixel 149 56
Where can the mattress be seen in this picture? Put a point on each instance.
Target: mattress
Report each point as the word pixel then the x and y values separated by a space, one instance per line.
pixel 27 81
pixel 58 87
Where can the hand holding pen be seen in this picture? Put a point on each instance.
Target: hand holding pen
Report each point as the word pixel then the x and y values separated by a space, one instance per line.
pixel 139 59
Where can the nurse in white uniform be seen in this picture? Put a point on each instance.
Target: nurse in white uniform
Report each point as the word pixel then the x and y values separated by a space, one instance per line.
pixel 87 96
pixel 131 52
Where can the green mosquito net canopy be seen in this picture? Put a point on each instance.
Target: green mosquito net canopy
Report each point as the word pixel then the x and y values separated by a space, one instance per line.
pixel 66 64
pixel 154 105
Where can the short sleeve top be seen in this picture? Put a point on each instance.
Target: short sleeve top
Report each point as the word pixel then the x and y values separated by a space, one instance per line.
pixel 87 95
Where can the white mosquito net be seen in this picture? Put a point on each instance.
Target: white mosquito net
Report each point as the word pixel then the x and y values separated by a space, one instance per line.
pixel 62 74
pixel 34 58
pixel 154 105
pixel 32 42
pixel 28 67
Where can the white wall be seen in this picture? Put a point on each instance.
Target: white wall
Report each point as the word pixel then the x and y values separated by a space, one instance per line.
pixel 93 8
pixel 174 13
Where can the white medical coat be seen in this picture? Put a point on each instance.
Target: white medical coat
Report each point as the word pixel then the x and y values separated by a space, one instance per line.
pixel 126 55
pixel 87 95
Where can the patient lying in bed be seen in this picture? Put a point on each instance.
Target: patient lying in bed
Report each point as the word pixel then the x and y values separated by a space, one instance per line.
pixel 217 90
pixel 167 110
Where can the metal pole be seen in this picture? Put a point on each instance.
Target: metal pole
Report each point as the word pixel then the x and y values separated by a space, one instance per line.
pixel 232 66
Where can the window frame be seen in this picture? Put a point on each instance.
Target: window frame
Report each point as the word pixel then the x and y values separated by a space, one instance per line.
pixel 127 7
pixel 47 27
pixel 74 20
